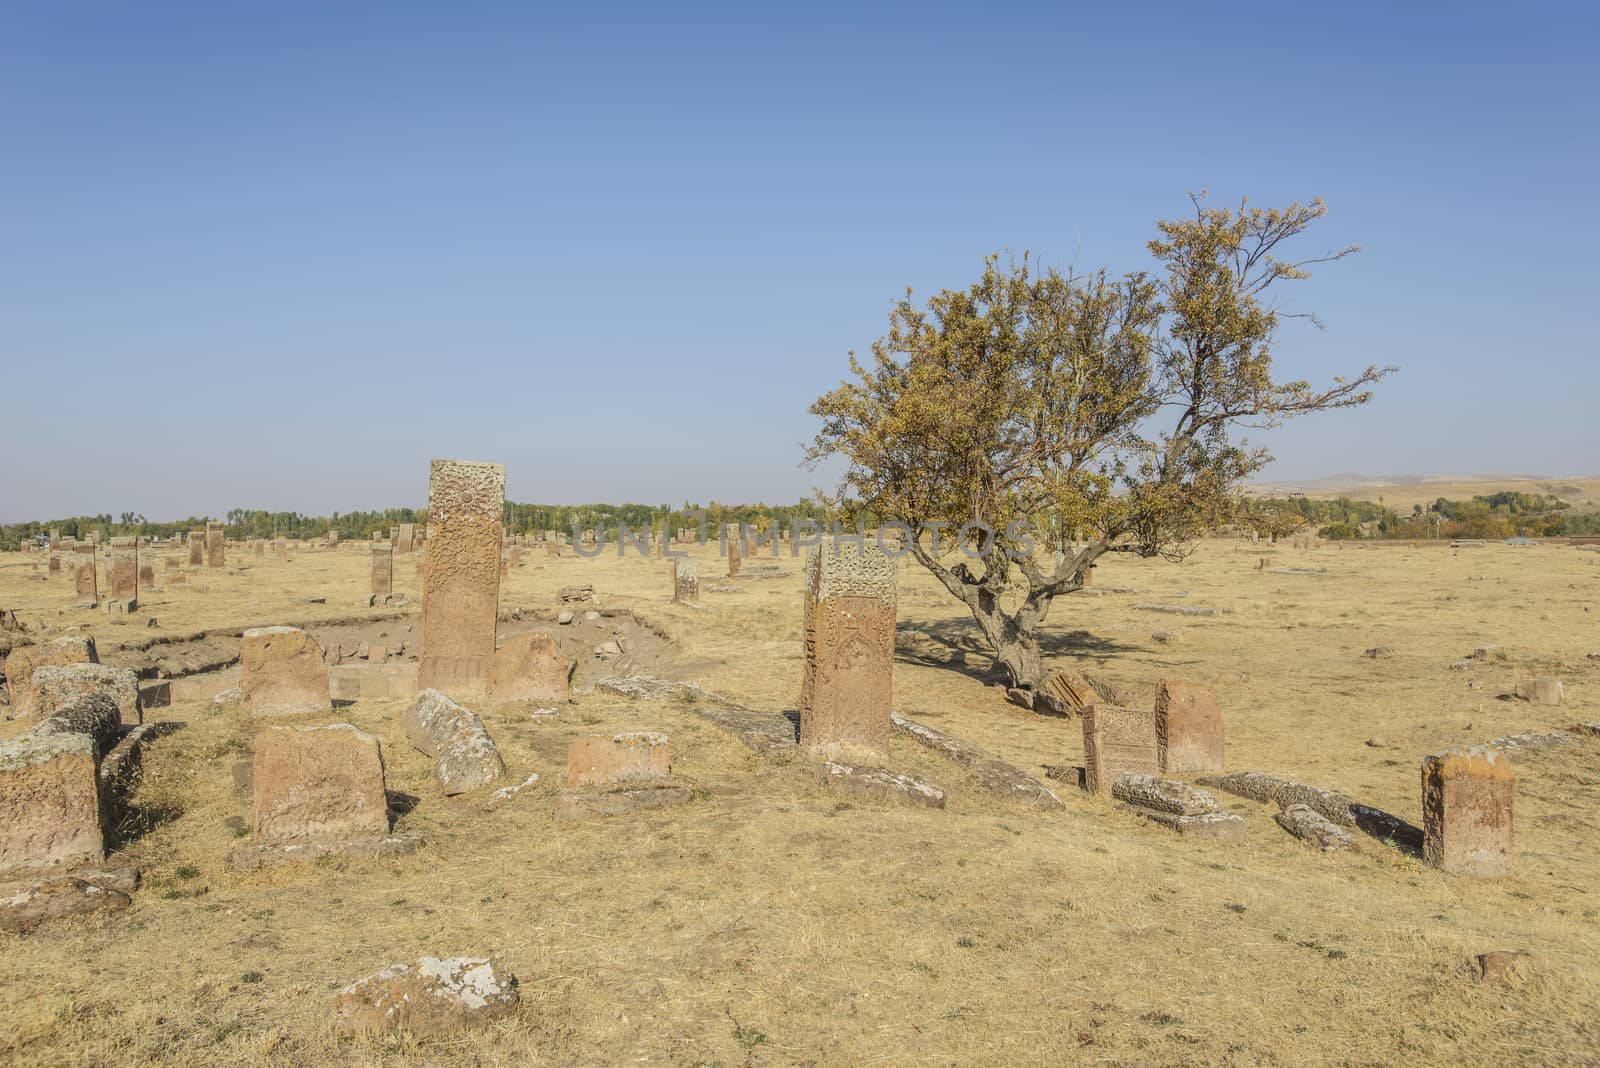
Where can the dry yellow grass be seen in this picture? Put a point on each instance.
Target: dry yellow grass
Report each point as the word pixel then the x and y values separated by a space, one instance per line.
pixel 767 924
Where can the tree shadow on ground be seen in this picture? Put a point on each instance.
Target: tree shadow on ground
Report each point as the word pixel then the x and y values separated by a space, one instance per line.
pixel 958 645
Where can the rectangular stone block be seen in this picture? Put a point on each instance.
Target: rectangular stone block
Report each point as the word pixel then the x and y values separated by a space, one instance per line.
pixel 86 583
pixel 1467 797
pixel 735 556
pixel 49 803
pixel 848 683
pixel 461 583
pixel 282 671
pixel 197 546
pixel 216 553
pixel 685 580
pixel 1189 734
pixel 26 659
pixel 55 687
pixel 405 538
pixel 382 568
pixel 122 570
pixel 1117 741
pixel 319 784
pixel 282 549
pixel 643 756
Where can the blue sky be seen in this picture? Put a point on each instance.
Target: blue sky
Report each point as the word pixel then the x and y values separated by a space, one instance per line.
pixel 281 255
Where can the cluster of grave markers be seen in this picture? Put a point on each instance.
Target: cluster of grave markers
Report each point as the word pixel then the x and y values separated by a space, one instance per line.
pixel 320 788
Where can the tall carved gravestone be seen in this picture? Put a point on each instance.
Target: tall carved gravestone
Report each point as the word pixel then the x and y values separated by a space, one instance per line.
pixel 847 688
pixel 382 568
pixel 461 584
pixel 86 583
pixel 122 571
pixel 406 538
pixel 1117 741
pixel 215 552
pixel 55 539
pixel 282 548
pixel 197 546
pixel 734 556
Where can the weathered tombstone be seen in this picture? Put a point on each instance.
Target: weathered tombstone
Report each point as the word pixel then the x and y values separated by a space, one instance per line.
pixel 382 568
pixel 318 784
pixel 1117 741
pixel 147 576
pixel 197 546
pixel 55 538
pixel 261 548
pixel 529 667
pixel 282 548
pixel 461 584
pixel 215 551
pixel 24 660
pixel 405 538
pixel 685 580
pixel 55 564
pixel 49 803
pixel 57 685
pixel 85 581
pixel 1189 734
pixel 552 548
pixel 849 620
pixel 734 557
pixel 465 757
pixel 282 671
pixel 1467 811
pixel 123 570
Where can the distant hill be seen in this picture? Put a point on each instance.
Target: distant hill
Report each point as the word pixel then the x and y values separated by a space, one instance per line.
pixel 1400 492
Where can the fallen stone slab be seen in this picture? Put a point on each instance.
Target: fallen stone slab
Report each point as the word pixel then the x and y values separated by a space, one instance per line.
pixel 1003 780
pixel 56 687
pixel 429 997
pixel 648 687
pixel 1162 795
pixel 636 756
pixel 1183 609
pixel 1220 826
pixel 95 714
pixel 768 733
pixel 879 784
pixel 255 856
pixel 1539 691
pixel 465 757
pixel 584 804
pixel 1333 806
pixel 27 903
pixel 1311 827
pixel 1550 740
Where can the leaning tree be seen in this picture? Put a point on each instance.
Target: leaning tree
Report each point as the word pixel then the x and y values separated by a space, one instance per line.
pixel 1088 414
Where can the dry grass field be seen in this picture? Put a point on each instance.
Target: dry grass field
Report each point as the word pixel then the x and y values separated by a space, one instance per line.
pixel 768 923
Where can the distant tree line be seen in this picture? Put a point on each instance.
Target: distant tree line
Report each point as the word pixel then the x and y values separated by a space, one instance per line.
pixel 1495 516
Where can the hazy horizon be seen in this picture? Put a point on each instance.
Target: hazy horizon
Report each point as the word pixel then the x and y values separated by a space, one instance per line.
pixel 282 259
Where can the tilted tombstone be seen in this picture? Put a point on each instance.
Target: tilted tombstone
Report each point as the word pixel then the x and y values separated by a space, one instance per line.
pixel 461 583
pixel 1117 741
pixel 848 684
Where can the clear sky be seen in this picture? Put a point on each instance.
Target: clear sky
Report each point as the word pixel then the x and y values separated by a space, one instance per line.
pixel 280 255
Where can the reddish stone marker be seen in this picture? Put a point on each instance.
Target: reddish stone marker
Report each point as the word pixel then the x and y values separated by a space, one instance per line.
pixel 461 583
pixel 1467 811
pixel 1117 741
pixel 122 569
pixel 197 546
pixel 216 554
pixel 49 803
pixel 529 667
pixel 382 568
pixel 1189 736
pixel 282 671
pixel 642 756
pixel 848 685
pixel 86 582
pixel 320 784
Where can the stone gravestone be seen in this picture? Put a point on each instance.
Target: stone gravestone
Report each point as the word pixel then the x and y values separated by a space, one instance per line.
pixel 122 571
pixel 49 803
pixel 734 557
pixel 86 582
pixel 283 551
pixel 1189 736
pixel 461 584
pixel 685 580
pixel 215 552
pixel 147 576
pixel 281 670
pixel 261 548
pixel 847 687
pixel 197 546
pixel 55 564
pixel 55 538
pixel 1117 741
pixel 320 785
pixel 382 568
pixel 1467 811
pixel 405 538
